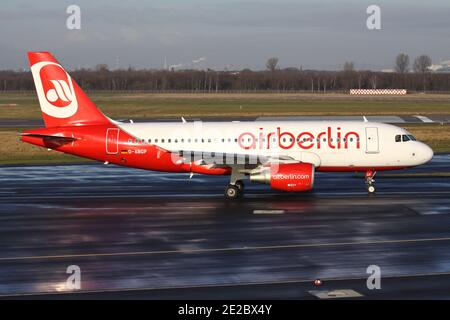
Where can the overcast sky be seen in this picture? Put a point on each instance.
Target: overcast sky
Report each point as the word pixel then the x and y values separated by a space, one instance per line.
pixel 314 34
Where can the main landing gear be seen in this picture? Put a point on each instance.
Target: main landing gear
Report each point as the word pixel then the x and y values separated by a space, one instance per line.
pixel 235 189
pixel 232 191
pixel 370 181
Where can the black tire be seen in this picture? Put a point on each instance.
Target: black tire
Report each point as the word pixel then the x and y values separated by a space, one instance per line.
pixel 232 192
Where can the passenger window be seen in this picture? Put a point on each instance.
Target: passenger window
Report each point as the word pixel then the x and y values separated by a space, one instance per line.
pixel 398 138
pixel 156 140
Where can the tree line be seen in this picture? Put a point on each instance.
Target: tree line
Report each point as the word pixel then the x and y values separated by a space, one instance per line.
pixel 272 79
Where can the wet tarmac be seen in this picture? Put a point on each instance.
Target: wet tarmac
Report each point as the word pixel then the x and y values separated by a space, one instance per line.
pixel 140 234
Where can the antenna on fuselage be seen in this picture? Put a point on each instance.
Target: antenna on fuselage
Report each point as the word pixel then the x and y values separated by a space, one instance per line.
pixel 183 119
pixel 365 119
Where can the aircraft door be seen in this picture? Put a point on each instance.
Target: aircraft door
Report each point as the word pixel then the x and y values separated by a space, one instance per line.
pixel 372 143
pixel 112 141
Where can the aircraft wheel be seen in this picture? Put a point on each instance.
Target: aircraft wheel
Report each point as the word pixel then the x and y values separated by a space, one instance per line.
pixel 371 189
pixel 232 192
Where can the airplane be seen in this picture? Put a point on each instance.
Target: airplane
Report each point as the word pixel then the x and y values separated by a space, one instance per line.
pixel 282 154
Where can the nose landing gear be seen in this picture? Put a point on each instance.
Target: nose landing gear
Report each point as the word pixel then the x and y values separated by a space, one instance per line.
pixel 370 181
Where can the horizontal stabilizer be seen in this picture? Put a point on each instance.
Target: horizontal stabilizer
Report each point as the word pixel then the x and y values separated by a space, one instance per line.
pixel 49 137
pixel 46 140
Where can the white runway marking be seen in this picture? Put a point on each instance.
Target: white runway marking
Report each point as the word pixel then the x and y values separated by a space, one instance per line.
pixel 424 119
pixel 334 294
pixel 437 209
pixel 268 211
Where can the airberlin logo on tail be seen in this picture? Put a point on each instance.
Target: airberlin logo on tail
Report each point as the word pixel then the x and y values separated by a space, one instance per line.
pixel 55 90
pixel 61 91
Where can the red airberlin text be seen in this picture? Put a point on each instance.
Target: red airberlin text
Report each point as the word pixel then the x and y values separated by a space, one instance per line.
pixel 333 139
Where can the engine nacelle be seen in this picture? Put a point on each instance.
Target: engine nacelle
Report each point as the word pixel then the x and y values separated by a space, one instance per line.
pixel 286 177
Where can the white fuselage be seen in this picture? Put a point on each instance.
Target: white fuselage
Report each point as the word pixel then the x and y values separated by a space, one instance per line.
pixel 326 144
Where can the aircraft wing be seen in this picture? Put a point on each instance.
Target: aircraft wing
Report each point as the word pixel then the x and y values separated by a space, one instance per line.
pixel 223 160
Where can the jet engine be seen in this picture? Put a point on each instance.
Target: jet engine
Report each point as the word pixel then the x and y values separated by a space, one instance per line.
pixel 286 176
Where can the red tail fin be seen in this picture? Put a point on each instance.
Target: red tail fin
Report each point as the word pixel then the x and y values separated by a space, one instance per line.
pixel 62 101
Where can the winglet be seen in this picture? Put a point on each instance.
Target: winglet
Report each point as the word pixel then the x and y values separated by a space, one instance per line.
pixel 365 119
pixel 183 119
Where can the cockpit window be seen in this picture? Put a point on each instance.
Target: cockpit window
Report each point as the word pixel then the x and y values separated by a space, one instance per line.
pixel 404 138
